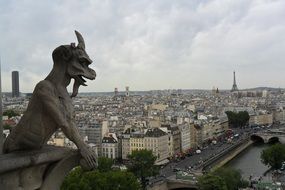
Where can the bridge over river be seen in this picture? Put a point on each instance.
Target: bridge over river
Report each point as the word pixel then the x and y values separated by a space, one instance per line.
pixel 269 136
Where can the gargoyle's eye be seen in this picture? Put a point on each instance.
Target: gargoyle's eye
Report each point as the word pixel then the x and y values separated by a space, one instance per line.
pixel 82 62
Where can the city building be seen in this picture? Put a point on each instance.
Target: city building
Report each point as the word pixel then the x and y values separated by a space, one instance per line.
pixel 157 141
pixel 198 136
pixel 110 146
pixel 279 116
pixel 193 138
pixel 261 119
pixel 116 92
pixel 153 139
pixel 15 84
pixel 127 91
pixel 125 144
pixel 137 141
pixel 173 139
pixel 94 133
pixel 185 137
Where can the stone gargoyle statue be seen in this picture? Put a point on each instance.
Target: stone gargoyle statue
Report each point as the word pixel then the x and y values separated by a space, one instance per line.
pixel 50 107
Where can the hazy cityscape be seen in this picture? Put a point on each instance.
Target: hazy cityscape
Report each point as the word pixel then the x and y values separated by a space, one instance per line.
pixel 187 130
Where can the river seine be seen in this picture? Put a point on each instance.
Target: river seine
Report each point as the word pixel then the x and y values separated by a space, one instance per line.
pixel 249 163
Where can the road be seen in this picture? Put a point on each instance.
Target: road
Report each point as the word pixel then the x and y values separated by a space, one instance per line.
pixel 195 160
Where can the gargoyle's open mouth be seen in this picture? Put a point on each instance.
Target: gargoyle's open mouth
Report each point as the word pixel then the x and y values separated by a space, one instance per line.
pixel 81 80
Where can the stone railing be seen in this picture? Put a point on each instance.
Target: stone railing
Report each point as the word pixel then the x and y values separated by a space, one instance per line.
pixel 42 169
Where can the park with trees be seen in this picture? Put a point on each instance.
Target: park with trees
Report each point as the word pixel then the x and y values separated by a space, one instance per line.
pixel 105 177
pixel 237 120
pixel 223 179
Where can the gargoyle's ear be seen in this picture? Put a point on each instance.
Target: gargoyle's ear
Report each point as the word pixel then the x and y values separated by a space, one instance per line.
pixel 62 52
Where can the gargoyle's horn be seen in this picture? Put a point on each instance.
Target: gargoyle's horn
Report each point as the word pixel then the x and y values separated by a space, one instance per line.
pixel 80 40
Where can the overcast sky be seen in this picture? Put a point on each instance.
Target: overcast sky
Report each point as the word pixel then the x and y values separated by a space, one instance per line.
pixel 155 44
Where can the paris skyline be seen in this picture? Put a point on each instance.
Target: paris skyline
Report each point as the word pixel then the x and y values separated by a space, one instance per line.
pixel 149 45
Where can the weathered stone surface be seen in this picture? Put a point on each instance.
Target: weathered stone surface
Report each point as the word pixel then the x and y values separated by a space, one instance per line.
pixel 23 159
pixel 41 169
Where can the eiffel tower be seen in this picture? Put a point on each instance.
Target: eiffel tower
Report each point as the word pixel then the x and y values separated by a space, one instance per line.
pixel 234 88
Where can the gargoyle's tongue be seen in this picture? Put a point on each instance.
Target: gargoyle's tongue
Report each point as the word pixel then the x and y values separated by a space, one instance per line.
pixel 75 88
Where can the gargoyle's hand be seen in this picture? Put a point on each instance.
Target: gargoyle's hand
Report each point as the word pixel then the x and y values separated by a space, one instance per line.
pixel 89 156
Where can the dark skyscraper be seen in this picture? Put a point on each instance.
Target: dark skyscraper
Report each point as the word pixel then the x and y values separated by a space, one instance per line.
pixel 234 88
pixel 15 84
pixel 1 112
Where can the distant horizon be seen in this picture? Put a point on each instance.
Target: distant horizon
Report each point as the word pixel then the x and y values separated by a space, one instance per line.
pixel 253 88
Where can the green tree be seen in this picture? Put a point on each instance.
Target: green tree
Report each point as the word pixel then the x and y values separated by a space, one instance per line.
pixel 211 182
pixel 273 156
pixel 239 119
pixel 72 180
pixel 142 165
pixel 96 180
pixel 243 118
pixel 7 126
pixel 231 177
pixel 10 113
pixel 104 164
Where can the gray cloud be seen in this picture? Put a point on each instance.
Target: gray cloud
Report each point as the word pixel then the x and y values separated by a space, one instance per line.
pixel 149 44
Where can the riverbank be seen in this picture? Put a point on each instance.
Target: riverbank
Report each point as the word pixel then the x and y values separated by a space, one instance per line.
pixel 233 154
pixel 226 155
pixel 249 162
